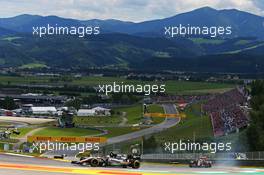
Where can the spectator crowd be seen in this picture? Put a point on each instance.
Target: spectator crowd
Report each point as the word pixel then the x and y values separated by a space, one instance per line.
pixel 226 111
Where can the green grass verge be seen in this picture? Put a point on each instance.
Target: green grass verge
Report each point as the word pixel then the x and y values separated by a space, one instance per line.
pixel 133 113
pixel 194 124
pixel 156 109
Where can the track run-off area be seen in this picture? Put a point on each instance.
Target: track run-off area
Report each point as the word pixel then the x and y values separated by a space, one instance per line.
pixel 27 165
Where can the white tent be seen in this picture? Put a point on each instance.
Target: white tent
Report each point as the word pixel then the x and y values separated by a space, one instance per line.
pixel 97 111
pixel 43 110
pixel 86 112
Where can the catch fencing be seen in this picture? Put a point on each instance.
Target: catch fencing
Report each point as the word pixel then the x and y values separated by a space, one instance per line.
pixel 216 156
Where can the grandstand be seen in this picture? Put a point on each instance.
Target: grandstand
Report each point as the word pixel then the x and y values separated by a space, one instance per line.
pixel 225 111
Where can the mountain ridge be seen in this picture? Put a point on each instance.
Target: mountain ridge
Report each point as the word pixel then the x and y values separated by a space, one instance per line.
pixel 138 45
pixel 244 24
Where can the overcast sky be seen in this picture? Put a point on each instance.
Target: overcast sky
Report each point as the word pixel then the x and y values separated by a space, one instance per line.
pixel 129 10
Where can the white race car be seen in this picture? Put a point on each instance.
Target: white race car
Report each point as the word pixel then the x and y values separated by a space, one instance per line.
pixel 111 160
pixel 202 162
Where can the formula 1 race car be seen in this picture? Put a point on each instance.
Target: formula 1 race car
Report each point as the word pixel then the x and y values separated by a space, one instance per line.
pixel 112 160
pixel 202 162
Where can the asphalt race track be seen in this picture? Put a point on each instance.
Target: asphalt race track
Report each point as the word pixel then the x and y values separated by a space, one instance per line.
pixel 16 165
pixel 168 123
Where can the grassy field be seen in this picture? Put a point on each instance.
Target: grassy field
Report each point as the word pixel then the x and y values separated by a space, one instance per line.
pixel 178 87
pixel 189 87
pixel 113 132
pixel 78 132
pixel 97 121
pixel 207 41
pixel 100 80
pixel 33 66
pixel 171 86
pixel 133 113
pixel 16 80
pixel 156 109
pixel 194 124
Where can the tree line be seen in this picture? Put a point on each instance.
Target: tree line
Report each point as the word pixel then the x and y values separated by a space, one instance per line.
pixel 255 131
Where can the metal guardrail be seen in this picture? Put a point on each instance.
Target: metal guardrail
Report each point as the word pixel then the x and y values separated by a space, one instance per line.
pixel 217 156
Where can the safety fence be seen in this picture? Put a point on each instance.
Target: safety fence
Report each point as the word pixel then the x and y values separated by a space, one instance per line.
pixel 216 156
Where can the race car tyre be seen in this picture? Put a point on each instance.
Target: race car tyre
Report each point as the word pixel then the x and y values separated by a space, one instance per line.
pixel 136 164
pixel 209 165
pixel 94 163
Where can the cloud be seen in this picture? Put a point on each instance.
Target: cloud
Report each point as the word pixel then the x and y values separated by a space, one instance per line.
pixel 260 5
pixel 130 10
